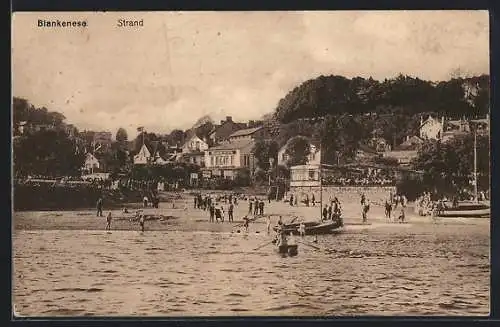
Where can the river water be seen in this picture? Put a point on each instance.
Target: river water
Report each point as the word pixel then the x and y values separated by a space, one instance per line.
pixel 404 270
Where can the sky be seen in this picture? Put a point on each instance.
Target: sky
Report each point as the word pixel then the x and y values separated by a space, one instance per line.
pixel 182 65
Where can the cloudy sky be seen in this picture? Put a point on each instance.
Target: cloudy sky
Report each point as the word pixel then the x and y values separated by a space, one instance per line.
pixel 183 65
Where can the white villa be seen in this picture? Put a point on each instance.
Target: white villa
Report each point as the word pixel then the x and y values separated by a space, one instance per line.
pixel 227 159
pixel 431 128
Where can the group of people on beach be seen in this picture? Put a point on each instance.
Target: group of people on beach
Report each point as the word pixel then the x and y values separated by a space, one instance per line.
pixel 391 204
pixel 139 215
pixel 332 211
pixel 214 206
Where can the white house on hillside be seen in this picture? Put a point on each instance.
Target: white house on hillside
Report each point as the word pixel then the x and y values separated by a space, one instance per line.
pixel 91 163
pixel 194 143
pixel 313 158
pixel 431 128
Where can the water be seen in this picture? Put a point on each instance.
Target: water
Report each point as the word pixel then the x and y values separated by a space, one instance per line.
pixel 432 270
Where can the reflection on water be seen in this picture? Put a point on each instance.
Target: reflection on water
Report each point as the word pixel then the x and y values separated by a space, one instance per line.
pixel 178 273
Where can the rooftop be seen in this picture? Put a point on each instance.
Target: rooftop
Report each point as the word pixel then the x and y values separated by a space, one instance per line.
pixel 234 145
pixel 246 131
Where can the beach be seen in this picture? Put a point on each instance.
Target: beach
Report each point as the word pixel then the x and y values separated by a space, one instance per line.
pixel 66 264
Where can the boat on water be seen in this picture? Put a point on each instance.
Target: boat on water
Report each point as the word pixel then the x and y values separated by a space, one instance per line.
pixel 466 210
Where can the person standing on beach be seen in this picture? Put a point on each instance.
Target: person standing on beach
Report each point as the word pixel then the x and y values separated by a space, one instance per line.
pixel 256 206
pixel 261 208
pixel 330 212
pixel 250 203
pixel 291 200
pixel 99 207
pixel 302 229
pixel 365 209
pixel 230 212
pixel 388 209
pixel 246 223
pixel 141 222
pixel 313 200
pixel 325 213
pixel 212 212
pixel 108 221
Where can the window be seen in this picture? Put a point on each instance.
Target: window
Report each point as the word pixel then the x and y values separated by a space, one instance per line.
pixel 311 174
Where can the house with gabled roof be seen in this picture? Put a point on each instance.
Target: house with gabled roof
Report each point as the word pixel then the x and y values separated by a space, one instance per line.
pixel 144 156
pixel 227 159
pixel 194 144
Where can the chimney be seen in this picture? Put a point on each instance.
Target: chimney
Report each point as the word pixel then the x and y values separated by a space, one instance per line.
pixel 229 119
pixel 421 120
pixel 442 122
pixel 407 138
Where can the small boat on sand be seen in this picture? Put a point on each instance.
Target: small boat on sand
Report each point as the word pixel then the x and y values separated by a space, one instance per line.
pixel 466 210
pixel 313 227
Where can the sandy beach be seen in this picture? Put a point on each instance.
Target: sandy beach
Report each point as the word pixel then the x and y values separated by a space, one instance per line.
pixel 66 264
pixel 180 215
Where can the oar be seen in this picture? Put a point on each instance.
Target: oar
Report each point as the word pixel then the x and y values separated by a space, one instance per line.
pixel 267 243
pixel 315 247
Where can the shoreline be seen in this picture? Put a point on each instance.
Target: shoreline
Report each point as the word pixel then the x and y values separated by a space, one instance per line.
pixel 188 219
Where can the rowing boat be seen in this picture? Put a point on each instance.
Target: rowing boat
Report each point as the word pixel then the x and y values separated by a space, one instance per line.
pixel 467 210
pixel 313 227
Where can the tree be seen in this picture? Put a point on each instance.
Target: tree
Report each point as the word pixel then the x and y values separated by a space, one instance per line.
pixel 177 137
pixel 47 153
pixel 298 150
pixel 448 167
pixel 121 136
pixel 263 150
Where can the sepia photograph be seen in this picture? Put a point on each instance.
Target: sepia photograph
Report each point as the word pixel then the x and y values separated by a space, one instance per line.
pixel 271 164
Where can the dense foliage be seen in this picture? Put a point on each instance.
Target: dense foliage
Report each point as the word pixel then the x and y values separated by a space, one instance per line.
pixel 448 167
pixel 47 153
pixel 336 95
